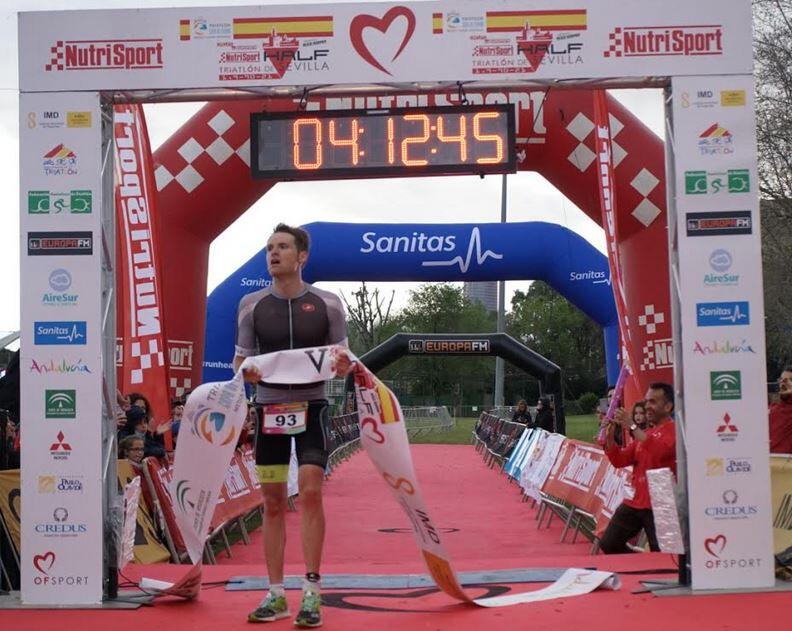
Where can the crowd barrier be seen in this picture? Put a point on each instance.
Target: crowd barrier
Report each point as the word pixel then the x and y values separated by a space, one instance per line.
pixel 563 477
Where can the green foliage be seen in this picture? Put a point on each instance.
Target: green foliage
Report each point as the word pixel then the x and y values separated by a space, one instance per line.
pixel 547 323
pixel 588 403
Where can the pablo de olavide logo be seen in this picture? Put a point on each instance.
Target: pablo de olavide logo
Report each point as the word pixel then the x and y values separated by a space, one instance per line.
pixel 59 333
pixel 714 182
pixel 60 404
pixel 725 385
pixel 719 466
pixel 718 223
pixel 53 484
pixel 74 202
pixel 59 243
pixel 723 313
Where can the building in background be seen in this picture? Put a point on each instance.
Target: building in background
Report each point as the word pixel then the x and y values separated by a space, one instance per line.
pixel 484 292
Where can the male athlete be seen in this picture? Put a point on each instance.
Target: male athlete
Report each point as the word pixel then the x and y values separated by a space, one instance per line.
pixel 290 314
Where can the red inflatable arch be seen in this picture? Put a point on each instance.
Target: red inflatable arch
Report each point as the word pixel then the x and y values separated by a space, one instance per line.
pixel 204 184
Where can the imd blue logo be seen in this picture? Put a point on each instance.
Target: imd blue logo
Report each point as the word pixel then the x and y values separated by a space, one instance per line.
pixel 59 333
pixel 723 313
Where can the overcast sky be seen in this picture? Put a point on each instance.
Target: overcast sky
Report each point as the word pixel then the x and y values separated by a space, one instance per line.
pixel 438 200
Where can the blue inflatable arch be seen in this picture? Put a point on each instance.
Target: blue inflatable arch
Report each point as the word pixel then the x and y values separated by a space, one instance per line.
pixel 430 252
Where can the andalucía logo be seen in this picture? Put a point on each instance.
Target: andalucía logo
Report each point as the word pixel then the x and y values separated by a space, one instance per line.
pixel 60 160
pixel 665 41
pixel 116 54
pixel 723 347
pixel 62 367
pixel 59 333
pixel 725 385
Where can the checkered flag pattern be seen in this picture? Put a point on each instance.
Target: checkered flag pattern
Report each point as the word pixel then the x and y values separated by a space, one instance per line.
pixel 615 43
pixel 56 61
pixel 216 145
pixel 649 319
pixel 145 358
pixel 179 386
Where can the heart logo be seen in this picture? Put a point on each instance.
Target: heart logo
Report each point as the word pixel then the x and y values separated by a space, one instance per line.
pixel 40 562
pixel 376 432
pixel 715 545
pixel 361 22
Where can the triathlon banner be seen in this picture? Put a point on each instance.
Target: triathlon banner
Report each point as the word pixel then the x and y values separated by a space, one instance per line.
pixel 606 186
pixel 140 309
pixel 346 43
pixel 214 415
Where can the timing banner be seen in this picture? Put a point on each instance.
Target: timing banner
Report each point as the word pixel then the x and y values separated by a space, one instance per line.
pixel 214 415
pixel 140 311
pixel 723 341
pixel 61 348
pixel 373 43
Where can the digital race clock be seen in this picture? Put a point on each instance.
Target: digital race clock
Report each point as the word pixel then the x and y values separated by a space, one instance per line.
pixel 470 139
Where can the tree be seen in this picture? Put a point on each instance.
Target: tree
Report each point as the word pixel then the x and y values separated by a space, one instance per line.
pixel 548 324
pixel 773 68
pixel 369 319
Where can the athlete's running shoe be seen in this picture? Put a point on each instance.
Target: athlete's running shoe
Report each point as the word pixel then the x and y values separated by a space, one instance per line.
pixel 310 615
pixel 272 609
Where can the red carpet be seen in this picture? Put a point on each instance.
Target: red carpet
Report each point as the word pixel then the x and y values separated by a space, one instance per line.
pixel 495 531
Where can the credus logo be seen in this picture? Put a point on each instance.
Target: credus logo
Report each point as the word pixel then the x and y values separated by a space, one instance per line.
pixel 118 54
pixel 665 41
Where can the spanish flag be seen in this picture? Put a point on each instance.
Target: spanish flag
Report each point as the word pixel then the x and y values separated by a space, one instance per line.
pixel 437 23
pixel 256 28
pixel 563 20
pixel 184 30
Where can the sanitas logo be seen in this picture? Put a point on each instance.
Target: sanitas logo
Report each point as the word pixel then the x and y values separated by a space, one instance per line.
pixel 59 333
pixel 596 277
pixel 62 367
pixel 725 385
pixel 665 41
pixel 118 54
pixel 60 404
pixel 723 348
pixel 714 182
pixel 723 313
pixel 75 202
pixel 255 282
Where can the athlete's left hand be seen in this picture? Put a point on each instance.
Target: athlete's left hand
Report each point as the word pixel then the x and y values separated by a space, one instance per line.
pixel 343 364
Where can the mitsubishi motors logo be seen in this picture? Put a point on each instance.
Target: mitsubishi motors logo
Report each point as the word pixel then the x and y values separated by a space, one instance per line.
pixel 116 54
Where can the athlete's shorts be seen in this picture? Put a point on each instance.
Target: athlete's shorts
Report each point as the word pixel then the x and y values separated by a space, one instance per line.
pixel 273 451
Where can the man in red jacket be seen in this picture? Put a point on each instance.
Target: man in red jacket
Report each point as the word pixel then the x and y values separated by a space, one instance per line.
pixel 653 448
pixel 781 416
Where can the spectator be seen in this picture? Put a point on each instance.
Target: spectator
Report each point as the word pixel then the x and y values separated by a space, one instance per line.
pixel 781 415
pixel 177 411
pixel 638 416
pixel 132 449
pixel 137 425
pixel 618 435
pixel 544 415
pixel 247 437
pixel 522 414
pixel 652 448
pixel 9 452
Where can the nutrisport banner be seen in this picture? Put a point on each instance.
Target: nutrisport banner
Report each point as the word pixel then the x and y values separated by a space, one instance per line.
pixel 214 415
pixel 723 342
pixel 61 347
pixel 348 43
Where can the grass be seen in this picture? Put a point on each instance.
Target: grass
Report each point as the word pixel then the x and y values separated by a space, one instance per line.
pixel 582 428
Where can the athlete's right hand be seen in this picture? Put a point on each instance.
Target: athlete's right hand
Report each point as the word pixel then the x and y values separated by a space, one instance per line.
pixel 251 375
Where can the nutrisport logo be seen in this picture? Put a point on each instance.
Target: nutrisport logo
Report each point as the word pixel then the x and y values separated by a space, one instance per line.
pixel 665 41
pixel 114 54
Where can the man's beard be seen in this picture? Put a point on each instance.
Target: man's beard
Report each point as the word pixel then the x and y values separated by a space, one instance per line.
pixel 786 397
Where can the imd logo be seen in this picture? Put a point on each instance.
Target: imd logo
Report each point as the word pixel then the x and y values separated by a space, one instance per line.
pixel 60 404
pixel 725 385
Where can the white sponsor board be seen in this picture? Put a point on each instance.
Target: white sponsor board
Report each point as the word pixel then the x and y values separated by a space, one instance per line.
pixel 725 392
pixel 60 362
pixel 308 45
